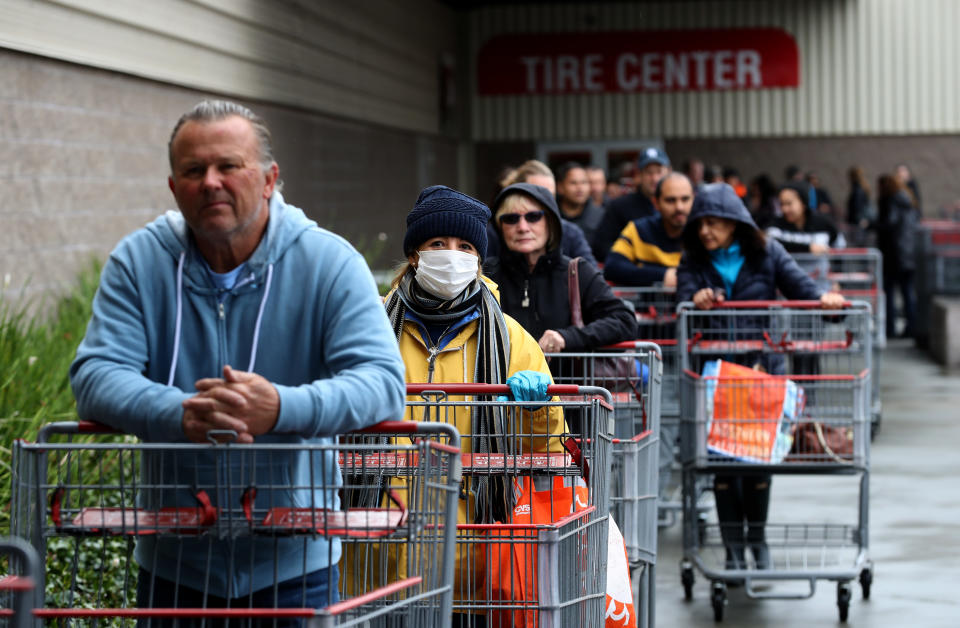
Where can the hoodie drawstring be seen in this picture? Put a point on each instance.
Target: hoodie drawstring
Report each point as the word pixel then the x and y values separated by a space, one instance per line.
pixel 256 327
pixel 176 331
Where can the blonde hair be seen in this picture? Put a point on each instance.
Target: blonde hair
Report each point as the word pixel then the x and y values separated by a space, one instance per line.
pixel 527 168
pixel 515 201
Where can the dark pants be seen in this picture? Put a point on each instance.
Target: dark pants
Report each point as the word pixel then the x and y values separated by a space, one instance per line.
pixel 742 505
pixel 311 591
pixel 904 281
pixel 468 620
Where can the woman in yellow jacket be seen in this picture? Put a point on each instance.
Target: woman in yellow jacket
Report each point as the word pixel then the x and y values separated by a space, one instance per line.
pixel 448 322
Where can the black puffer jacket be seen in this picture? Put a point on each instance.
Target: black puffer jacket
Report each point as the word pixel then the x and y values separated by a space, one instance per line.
pixel 539 299
pixel 896 233
pixel 605 317
pixel 771 271
pixel 760 277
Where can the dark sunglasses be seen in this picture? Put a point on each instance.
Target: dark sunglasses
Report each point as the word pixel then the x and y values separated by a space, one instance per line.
pixel 530 217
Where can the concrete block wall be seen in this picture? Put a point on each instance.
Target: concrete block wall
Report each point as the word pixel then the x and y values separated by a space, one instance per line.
pixel 83 162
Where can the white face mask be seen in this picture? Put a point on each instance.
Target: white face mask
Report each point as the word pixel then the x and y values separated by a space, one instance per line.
pixel 446 273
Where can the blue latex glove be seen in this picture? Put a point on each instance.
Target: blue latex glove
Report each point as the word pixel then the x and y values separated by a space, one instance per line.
pixel 643 372
pixel 528 386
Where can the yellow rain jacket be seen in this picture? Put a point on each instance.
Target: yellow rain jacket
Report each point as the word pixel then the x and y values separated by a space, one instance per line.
pixel 454 364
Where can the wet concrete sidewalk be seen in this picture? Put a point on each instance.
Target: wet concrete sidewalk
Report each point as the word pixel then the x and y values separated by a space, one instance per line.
pixel 914 518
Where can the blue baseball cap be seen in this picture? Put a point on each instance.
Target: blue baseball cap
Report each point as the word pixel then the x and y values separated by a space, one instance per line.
pixel 652 155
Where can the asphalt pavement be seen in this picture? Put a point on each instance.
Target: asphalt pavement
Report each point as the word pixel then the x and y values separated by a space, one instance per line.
pixel 914 525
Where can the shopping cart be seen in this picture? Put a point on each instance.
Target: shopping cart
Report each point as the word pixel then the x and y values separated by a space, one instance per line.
pixel 857 274
pixel 655 310
pixel 18 588
pixel 635 392
pixel 745 425
pixel 85 503
pixel 938 270
pixel 541 559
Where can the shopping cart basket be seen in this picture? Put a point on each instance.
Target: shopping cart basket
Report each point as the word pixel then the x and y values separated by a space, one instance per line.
pixel 656 313
pixel 635 392
pixel 19 587
pixel 757 424
pixel 857 274
pixel 86 503
pixel 541 559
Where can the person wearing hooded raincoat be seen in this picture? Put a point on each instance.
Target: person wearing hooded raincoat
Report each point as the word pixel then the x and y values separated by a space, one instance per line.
pixel 532 275
pixel 727 258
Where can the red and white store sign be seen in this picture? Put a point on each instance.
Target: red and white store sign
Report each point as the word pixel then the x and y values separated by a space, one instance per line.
pixel 638 61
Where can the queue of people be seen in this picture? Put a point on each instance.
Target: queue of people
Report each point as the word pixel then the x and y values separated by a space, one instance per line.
pixel 240 314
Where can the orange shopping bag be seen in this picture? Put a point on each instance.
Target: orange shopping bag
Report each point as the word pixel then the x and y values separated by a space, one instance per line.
pixel 750 414
pixel 620 609
pixel 514 563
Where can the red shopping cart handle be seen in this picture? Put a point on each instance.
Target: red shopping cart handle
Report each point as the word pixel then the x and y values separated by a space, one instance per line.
pixel 639 343
pixel 487 389
pixel 73 427
pixel 92 427
pixel 753 305
pixel 860 251
pixel 17 584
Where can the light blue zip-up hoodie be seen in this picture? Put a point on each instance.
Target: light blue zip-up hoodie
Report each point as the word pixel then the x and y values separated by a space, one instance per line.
pixel 305 315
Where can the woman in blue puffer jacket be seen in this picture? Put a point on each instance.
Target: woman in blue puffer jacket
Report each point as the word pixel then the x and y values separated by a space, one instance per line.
pixel 727 258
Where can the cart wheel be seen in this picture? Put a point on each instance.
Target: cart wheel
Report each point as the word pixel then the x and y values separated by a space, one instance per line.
pixel 866 579
pixel 843 599
pixel 718 597
pixel 686 577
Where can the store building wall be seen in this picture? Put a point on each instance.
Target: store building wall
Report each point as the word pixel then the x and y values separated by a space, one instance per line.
pixel 83 161
pixel 866 67
pixel 876 87
pixel 90 89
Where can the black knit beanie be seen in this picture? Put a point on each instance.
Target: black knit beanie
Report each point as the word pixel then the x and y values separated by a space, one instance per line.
pixel 441 211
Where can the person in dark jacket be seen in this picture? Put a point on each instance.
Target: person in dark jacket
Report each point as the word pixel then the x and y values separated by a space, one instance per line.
pixel 652 165
pixel 573 241
pixel 763 202
pixel 576 205
pixel 531 273
pixel 905 177
pixel 799 229
pixel 859 208
pixel 648 249
pixel 897 218
pixel 727 258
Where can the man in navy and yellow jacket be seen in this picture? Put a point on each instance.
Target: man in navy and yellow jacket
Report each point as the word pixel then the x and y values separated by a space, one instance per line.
pixel 648 249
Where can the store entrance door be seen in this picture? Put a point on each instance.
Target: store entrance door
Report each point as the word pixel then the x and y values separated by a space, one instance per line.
pixel 617 157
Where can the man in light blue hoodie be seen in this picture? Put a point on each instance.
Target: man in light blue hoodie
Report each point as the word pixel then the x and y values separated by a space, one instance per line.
pixel 236 313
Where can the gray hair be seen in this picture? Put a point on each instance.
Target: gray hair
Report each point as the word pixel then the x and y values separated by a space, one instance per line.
pixel 216 110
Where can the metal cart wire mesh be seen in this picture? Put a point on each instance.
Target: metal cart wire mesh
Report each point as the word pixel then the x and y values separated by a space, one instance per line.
pixel 857 274
pixel 746 425
pixel 632 371
pixel 85 504
pixel 655 310
pixel 540 560
pixel 938 270
pixel 18 588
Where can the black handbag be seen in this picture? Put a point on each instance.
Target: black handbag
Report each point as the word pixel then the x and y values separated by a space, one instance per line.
pixel 616 374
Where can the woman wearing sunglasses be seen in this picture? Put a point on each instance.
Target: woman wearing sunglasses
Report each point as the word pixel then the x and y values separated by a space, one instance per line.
pixel 532 275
